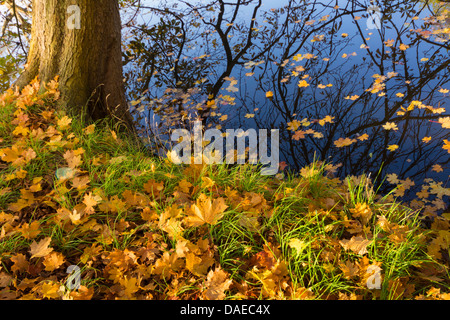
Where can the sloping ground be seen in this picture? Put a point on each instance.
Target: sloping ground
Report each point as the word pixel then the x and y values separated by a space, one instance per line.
pixel 86 214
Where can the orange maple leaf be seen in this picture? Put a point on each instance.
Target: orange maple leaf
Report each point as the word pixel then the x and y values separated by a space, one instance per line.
pixel 300 134
pixel 53 261
pixel 90 201
pixel 20 263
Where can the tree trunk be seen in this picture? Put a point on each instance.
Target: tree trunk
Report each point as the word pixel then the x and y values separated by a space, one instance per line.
pixel 86 57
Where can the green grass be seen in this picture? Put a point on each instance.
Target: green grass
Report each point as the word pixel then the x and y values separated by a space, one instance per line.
pixel 254 242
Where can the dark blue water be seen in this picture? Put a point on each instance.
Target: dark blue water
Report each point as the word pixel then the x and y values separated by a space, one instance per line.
pixel 349 76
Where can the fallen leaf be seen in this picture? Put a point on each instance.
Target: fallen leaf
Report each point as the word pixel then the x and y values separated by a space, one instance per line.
pixel 362 211
pixel 349 269
pixel 357 244
pixel 297 244
pixel 50 290
pixel 30 231
pixel 205 211
pixel 40 249
pixel 217 282
pixel 90 200
pixel 20 263
pixel 53 261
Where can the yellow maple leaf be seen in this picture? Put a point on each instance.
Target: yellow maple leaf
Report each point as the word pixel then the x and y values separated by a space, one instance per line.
pixel 53 261
pixel 390 126
pixel 19 130
pixel 446 145
pixel 303 84
pixel 353 98
pixel 269 94
pixel 82 293
pixel 195 264
pixel 298 245
pixel 154 188
pixel 75 217
pixel 389 43
pixel 445 122
pixel 10 154
pixel 323 121
pixel 362 211
pixel 363 137
pixel 89 129
pixel 131 286
pixel 392 147
pixel 184 186
pixel 64 122
pixel 207 182
pixel 169 221
pixel 392 74
pixel 50 290
pixel 206 211
pixel 91 200
pixel 293 125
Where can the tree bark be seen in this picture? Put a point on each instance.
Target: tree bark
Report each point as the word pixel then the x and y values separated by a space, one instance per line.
pixel 88 59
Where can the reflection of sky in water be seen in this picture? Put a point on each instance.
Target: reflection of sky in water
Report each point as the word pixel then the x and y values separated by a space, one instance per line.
pixel 258 96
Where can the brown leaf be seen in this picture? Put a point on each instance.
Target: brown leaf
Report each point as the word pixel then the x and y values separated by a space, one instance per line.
pixel 349 269
pixel 80 183
pixel 217 283
pixel 40 249
pixel 356 244
pixel 20 263
pixel 5 279
pixel 82 293
pixel 73 160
